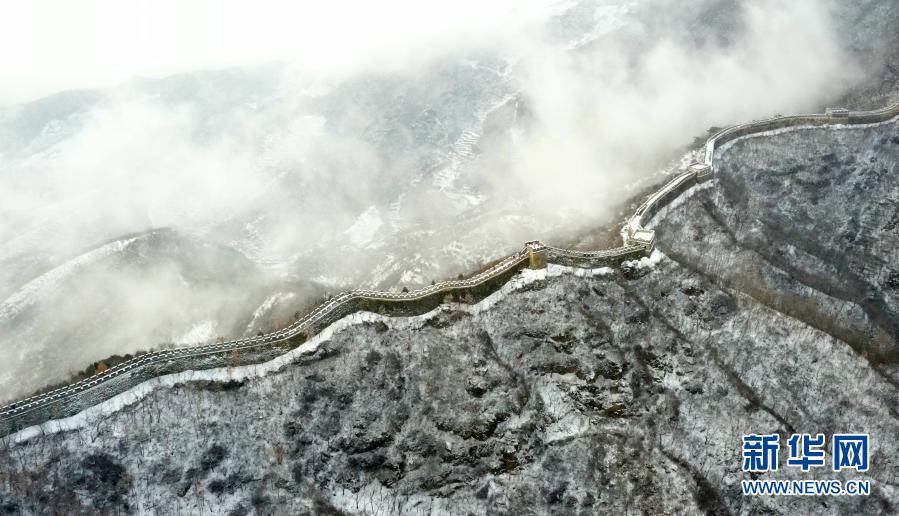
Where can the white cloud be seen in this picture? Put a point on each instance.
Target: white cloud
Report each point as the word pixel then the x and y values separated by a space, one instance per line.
pixel 299 184
pixel 50 45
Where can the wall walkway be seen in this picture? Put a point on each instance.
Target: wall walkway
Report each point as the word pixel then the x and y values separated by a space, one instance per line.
pixel 638 242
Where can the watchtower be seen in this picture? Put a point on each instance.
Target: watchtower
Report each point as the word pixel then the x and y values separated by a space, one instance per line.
pixel 536 254
pixel 644 237
pixel 701 171
pixel 836 113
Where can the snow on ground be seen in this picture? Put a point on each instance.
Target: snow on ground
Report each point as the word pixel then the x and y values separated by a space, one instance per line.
pixel 199 333
pixel 607 18
pixel 363 231
pixel 225 374
pixel 268 304
pixel 563 423
pixel 774 132
pixel 553 271
pixel 646 262
pixel 464 149
pixel 46 283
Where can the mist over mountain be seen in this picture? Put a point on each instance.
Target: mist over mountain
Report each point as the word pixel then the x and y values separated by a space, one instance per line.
pixel 770 305
pixel 219 203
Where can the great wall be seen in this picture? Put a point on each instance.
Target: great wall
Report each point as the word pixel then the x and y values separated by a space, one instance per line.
pixel 638 242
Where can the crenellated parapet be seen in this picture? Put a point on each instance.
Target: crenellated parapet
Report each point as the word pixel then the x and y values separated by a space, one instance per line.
pixel 536 254
pixel 638 241
pixel 634 231
pixel 702 172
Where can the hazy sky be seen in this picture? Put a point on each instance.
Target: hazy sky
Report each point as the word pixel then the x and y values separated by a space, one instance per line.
pixel 51 45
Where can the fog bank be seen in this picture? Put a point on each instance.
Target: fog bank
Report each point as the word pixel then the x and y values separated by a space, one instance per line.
pixel 219 203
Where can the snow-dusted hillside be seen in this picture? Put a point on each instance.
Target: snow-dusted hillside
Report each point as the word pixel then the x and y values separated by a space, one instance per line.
pixel 220 203
pixel 772 307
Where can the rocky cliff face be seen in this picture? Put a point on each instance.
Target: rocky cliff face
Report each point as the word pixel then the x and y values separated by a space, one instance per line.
pixel 772 308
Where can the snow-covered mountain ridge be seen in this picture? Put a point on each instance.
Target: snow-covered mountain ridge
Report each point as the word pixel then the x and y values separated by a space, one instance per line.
pixel 623 390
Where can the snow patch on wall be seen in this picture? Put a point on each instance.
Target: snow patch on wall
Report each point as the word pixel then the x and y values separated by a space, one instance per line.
pixel 249 372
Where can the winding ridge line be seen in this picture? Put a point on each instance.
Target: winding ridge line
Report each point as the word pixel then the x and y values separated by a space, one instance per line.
pixel 637 242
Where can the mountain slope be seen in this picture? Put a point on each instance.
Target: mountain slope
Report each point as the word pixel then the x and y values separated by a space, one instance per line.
pixel 771 308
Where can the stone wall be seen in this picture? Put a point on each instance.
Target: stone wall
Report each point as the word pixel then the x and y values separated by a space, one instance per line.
pixel 72 399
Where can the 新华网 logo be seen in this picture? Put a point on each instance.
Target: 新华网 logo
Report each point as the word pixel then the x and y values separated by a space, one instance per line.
pixel 761 454
pixel 805 451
